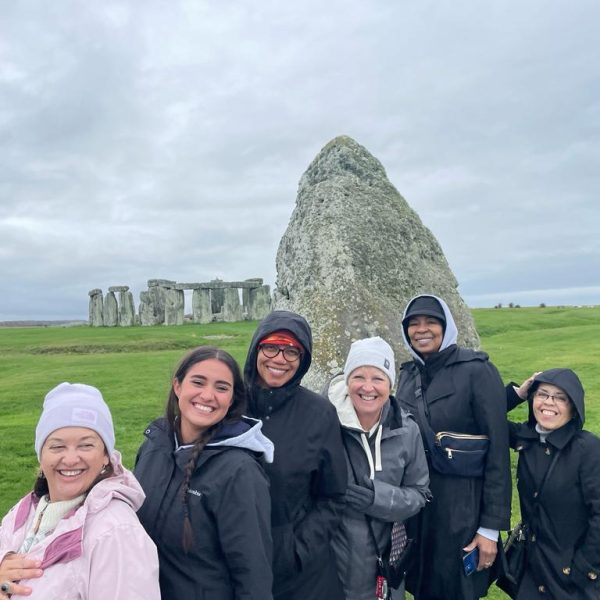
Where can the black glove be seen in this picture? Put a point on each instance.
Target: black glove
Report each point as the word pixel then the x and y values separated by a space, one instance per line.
pixel 360 497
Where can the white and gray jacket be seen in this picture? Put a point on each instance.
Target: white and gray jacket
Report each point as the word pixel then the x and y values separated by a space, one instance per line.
pixel 392 456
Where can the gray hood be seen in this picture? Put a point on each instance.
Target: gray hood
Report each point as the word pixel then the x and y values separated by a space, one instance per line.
pixel 252 439
pixel 450 332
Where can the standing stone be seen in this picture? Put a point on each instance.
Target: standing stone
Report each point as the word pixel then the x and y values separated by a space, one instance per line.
pixel 217 296
pixel 232 309
pixel 353 255
pixel 111 310
pixel 126 309
pixel 174 305
pixel 246 295
pixel 146 310
pixel 157 289
pixel 96 308
pixel 259 302
pixel 201 309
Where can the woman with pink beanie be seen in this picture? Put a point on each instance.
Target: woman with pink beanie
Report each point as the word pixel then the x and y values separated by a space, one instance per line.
pixel 76 535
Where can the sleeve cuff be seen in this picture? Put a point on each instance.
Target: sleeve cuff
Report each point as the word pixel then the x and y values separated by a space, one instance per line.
pixel 490 534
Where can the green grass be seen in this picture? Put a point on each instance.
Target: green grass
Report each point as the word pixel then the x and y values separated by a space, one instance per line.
pixel 133 366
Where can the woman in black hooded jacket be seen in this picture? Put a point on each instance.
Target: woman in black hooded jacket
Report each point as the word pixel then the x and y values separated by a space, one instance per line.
pixel 461 391
pixel 563 520
pixel 308 474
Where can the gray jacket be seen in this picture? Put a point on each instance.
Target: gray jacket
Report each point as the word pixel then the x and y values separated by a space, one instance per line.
pixel 394 460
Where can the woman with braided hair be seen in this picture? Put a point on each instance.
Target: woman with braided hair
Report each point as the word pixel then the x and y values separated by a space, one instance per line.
pixel 207 502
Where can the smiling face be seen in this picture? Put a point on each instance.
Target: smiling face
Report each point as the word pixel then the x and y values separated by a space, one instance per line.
pixel 277 371
pixel 71 460
pixel 204 397
pixel 368 388
pixel 425 334
pixel 551 406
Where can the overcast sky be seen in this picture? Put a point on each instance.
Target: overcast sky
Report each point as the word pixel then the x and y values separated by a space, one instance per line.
pixel 166 139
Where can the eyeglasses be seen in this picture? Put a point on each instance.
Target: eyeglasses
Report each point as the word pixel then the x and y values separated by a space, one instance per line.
pixel 560 399
pixel 290 353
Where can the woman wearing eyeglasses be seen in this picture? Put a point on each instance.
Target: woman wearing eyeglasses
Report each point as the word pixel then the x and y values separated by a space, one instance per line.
pixel 308 473
pixel 558 477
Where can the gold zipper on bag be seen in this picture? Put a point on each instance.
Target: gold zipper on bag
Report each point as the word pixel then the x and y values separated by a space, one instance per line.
pixel 457 436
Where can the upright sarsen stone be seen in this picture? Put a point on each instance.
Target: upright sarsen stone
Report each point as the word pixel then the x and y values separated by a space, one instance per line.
pixel 353 255
pixel 96 308
pixel 126 308
pixel 157 292
pixel 232 309
pixel 146 310
pixel 111 310
pixel 217 296
pixel 201 308
pixel 174 306
pixel 259 302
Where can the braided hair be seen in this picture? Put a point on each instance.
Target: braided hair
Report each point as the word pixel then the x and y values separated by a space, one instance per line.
pixel 237 408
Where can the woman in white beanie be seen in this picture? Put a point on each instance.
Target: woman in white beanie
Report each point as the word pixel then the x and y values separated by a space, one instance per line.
pixel 387 469
pixel 76 535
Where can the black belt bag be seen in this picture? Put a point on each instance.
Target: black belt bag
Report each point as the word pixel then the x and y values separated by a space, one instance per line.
pixel 450 452
pixel 459 454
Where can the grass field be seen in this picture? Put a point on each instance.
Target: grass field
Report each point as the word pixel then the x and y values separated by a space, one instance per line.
pixel 133 366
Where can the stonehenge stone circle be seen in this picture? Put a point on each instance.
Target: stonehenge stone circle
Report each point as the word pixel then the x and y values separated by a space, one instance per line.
pixel 164 303
pixel 353 255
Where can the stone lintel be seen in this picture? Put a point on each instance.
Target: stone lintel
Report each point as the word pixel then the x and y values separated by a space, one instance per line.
pixel 157 282
pixel 188 286
pixel 94 292
pixel 220 285
pixel 118 288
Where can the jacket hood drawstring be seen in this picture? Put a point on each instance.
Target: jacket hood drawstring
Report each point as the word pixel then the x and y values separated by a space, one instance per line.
pixel 373 466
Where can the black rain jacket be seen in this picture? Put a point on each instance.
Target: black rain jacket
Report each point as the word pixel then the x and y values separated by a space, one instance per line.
pixel 228 500
pixel 563 546
pixel 464 393
pixel 308 475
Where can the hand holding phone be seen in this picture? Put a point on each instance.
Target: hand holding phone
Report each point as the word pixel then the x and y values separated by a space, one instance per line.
pixel 470 561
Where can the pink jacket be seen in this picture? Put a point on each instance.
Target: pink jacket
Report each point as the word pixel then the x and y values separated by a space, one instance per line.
pixel 99 551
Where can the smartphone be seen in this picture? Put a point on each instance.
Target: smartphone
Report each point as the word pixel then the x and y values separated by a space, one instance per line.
pixel 470 561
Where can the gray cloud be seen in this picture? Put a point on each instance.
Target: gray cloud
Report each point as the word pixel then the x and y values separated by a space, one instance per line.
pixel 168 141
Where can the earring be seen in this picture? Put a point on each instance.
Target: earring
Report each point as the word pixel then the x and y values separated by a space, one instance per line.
pixel 103 470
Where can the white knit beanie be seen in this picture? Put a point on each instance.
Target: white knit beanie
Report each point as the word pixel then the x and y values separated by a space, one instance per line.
pixel 371 352
pixel 75 405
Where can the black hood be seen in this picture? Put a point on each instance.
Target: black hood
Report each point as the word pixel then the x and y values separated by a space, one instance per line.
pixel 276 321
pixel 567 381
